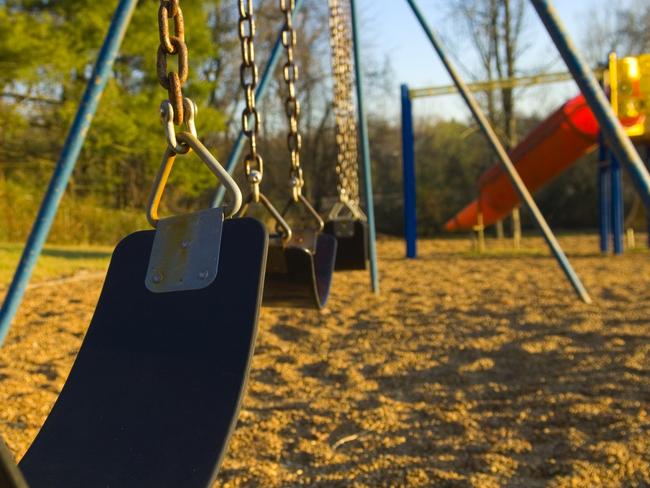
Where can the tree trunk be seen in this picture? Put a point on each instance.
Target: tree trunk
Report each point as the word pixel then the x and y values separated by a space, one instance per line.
pixel 509 119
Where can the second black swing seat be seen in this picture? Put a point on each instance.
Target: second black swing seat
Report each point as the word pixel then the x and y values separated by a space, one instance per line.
pixel 300 262
pixel 154 393
pixel 299 274
pixel 351 232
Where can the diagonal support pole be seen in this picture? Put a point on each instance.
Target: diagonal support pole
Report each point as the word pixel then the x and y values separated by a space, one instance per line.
pixel 507 163
pixel 67 162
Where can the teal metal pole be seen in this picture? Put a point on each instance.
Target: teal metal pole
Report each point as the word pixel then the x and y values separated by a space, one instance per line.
pixel 365 149
pixel 408 176
pixel 504 158
pixel 617 140
pixel 67 161
pixel 269 69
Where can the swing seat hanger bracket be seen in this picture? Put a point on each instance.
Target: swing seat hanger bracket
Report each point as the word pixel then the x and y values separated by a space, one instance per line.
pixel 346 210
pixel 213 165
pixel 183 143
pixel 309 212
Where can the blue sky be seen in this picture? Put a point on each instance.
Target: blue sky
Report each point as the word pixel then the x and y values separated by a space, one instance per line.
pixel 390 29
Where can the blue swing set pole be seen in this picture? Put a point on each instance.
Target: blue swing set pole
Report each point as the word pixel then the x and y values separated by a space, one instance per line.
pixel 618 141
pixel 67 161
pixel 408 180
pixel 507 163
pixel 647 163
pixel 365 149
pixel 616 194
pixel 604 205
pixel 260 92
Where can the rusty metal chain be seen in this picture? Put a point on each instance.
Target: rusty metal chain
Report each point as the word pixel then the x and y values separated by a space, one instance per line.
pixel 249 77
pixel 290 74
pixel 171 45
pixel 344 107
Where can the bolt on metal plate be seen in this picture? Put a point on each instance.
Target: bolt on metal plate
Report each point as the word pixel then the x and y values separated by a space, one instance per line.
pixel 185 252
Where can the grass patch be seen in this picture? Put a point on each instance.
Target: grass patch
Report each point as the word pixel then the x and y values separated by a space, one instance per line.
pixel 55 262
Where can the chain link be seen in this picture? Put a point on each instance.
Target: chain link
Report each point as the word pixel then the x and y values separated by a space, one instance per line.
pixel 170 45
pixel 344 107
pixel 249 77
pixel 290 74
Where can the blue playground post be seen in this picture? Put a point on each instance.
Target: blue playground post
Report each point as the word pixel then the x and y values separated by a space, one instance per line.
pixel 618 141
pixel 500 151
pixel 267 73
pixel 67 161
pixel 408 167
pixel 365 149
pixel 647 163
pixel 604 205
pixel 617 205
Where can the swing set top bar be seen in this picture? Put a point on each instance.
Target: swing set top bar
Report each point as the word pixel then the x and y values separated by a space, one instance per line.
pixel 518 82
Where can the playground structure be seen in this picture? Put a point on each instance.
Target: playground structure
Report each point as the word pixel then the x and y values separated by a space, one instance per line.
pixel 559 141
pixel 614 134
pixel 153 350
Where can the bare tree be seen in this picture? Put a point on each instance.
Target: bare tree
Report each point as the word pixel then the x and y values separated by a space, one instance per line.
pixel 495 30
pixel 620 28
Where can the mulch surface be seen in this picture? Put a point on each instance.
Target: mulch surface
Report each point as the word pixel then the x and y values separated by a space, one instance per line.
pixel 465 371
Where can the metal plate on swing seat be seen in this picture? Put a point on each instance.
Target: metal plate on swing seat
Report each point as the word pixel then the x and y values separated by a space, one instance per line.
pixel 185 252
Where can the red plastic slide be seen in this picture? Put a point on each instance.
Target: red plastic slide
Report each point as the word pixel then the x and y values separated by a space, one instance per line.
pixel 559 141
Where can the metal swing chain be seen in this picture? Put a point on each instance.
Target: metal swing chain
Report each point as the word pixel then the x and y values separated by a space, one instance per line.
pixel 351 168
pixel 180 110
pixel 341 155
pixel 350 108
pixel 290 74
pixel 171 45
pixel 249 77
pixel 344 109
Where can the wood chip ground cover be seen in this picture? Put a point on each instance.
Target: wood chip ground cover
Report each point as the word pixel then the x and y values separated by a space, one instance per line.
pixel 466 371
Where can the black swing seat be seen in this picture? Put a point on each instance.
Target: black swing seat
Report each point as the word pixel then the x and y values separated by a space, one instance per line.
pixel 299 274
pixel 352 237
pixel 154 393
